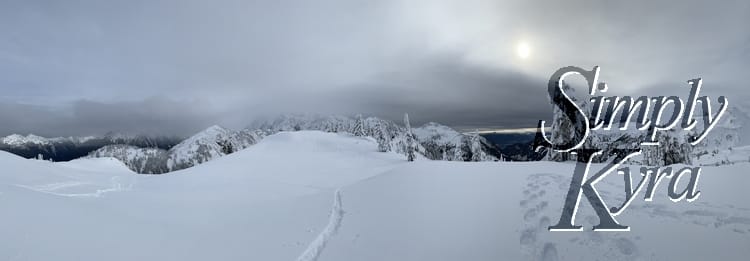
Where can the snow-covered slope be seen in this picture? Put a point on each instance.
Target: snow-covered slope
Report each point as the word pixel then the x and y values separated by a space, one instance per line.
pixel 443 142
pixel 264 203
pixel 211 143
pixel 140 160
pixel 729 140
pixel 436 142
pixel 312 195
pixel 206 145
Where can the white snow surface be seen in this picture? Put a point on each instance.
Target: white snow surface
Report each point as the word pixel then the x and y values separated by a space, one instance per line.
pixel 311 195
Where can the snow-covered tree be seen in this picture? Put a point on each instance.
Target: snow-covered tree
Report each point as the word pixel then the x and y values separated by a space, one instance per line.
pixel 410 140
pixel 562 128
pixel 673 148
pixel 379 132
pixel 359 127
pixel 476 147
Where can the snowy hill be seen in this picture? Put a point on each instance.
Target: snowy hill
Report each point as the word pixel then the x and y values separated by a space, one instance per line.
pixel 436 142
pixel 140 160
pixel 264 203
pixel 211 143
pixel 442 142
pixel 312 195
pixel 206 145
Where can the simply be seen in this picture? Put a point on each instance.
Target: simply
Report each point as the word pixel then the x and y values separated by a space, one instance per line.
pixel 650 120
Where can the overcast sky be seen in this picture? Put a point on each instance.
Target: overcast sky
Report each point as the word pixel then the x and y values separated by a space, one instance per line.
pixel 175 67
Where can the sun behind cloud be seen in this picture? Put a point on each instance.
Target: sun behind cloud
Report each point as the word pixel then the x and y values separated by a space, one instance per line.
pixel 523 50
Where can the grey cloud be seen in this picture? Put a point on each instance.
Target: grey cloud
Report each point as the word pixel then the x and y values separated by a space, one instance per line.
pixel 440 90
pixel 151 116
pixel 80 67
pixel 458 94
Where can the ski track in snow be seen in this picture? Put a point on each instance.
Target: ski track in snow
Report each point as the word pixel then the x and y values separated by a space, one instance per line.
pixel 54 187
pixel 316 247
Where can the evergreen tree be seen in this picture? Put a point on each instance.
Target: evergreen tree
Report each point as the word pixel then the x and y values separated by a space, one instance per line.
pixel 476 148
pixel 378 131
pixel 410 140
pixel 562 128
pixel 359 127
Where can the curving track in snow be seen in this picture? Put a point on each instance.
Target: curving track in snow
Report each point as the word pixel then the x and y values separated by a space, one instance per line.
pixel 334 222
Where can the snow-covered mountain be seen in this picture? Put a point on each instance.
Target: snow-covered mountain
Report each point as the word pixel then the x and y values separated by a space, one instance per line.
pixel 155 155
pixel 18 140
pixel 69 148
pixel 434 141
pixel 208 144
pixel 140 160
pixel 443 142
pixel 211 143
pixel 728 141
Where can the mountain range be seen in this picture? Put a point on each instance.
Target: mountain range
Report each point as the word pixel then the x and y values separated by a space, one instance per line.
pixel 69 148
pixel 156 155
pixel 162 154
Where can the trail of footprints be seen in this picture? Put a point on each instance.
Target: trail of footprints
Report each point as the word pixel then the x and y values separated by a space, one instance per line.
pixel 536 241
pixel 538 244
pixel 536 219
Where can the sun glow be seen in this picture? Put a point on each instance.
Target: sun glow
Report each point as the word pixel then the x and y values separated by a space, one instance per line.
pixel 524 50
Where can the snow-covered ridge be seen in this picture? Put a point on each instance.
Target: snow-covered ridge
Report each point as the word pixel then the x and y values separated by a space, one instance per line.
pixel 443 142
pixel 208 144
pixel 20 140
pixel 140 160
pixel 70 148
pixel 211 143
pixel 16 139
pixel 434 141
